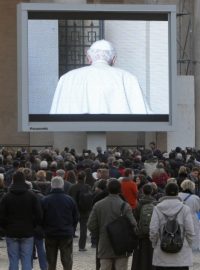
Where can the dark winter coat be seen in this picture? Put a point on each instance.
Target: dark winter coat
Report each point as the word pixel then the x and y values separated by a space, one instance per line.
pixel 20 212
pixel 60 214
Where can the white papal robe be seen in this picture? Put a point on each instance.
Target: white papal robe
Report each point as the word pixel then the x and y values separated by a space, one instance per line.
pixel 98 89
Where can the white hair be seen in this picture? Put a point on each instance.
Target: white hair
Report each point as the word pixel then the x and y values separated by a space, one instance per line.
pixel 57 182
pixel 102 50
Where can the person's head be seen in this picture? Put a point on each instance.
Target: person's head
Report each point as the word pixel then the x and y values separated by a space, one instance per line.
pixel 43 165
pixel 114 186
pixel 152 145
pixel 99 149
pixel 19 179
pixel 101 50
pixel 195 172
pixel 81 177
pixel 188 185
pixel 57 182
pixel 128 172
pixel 104 173
pixel 102 185
pixel 28 174
pixel 182 170
pixel 171 189
pixel 60 173
pixel 71 176
pixel 147 189
pixel 41 175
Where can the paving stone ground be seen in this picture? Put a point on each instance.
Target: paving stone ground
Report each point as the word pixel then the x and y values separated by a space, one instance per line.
pixel 82 260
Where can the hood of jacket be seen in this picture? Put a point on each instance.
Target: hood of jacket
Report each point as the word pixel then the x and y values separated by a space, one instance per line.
pixel 18 189
pixel 170 205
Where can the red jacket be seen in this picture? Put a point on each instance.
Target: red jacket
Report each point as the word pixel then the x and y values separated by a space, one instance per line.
pixel 129 191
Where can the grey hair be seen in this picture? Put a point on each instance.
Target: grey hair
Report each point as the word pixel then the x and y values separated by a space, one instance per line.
pixel 188 185
pixel 57 182
pixel 60 173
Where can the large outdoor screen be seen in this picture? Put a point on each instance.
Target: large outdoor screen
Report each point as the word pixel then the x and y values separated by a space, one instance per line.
pixel 96 67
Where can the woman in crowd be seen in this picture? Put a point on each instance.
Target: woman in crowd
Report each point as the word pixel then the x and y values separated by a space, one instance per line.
pixel 193 201
pixel 169 206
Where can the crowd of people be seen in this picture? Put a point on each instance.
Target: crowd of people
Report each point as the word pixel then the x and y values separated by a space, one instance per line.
pixel 45 194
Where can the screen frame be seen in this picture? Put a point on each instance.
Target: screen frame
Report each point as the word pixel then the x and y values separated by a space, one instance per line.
pixel 25 124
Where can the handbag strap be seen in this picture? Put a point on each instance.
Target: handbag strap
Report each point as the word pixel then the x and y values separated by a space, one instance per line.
pixel 187 197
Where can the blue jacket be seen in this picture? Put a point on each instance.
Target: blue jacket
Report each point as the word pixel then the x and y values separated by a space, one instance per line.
pixel 60 214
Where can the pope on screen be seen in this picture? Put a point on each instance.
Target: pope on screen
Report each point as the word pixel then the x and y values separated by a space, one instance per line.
pixel 99 88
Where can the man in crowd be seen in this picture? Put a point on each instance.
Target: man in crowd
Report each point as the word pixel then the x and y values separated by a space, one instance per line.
pixel 60 220
pixel 104 212
pixel 20 213
pixel 83 196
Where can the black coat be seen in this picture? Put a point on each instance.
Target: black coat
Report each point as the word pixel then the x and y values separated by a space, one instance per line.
pixel 60 214
pixel 20 212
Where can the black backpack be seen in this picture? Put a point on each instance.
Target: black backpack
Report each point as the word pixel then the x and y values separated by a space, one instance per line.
pixel 85 199
pixel 171 235
pixel 145 218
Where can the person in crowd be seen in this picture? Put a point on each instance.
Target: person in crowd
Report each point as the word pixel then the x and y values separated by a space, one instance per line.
pixel 87 161
pixel 60 220
pixel 104 212
pixel 41 183
pixel 193 201
pixel 171 205
pixel 102 174
pixel 89 179
pixel 9 173
pixel 102 157
pixel 150 163
pixel 159 176
pixel 53 167
pixel 129 188
pixel 140 180
pixel 71 177
pixel 77 89
pixel 44 166
pixel 38 248
pixel 20 213
pixel 113 168
pixel 194 177
pixel 142 256
pixel 3 189
pixel 28 173
pixel 182 175
pixel 67 184
pixel 84 209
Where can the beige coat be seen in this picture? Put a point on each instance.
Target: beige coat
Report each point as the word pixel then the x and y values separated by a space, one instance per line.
pixel 170 205
pixel 104 212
